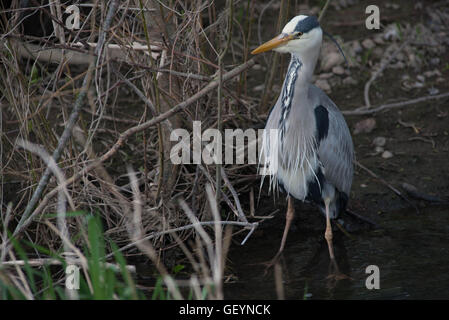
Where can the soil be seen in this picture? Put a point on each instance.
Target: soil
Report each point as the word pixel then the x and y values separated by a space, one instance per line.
pixel 410 247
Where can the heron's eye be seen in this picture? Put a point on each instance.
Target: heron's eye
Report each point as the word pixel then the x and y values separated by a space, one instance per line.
pixel 298 34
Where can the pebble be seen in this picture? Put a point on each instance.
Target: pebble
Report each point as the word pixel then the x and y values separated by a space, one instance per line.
pixel 379 141
pixel 378 53
pixel 397 65
pixel 391 32
pixel 435 61
pixel 368 44
pixel 400 56
pixel 387 154
pixel 350 81
pixel 379 150
pixel 365 126
pixel 393 6
pixel 315 10
pixel 259 87
pixel 338 70
pixel 325 75
pixel 334 81
pixel 356 47
pixel 331 60
pixel 414 61
pixel 433 91
pixel 420 78
pixel 429 74
pixel 323 85
pixel 379 40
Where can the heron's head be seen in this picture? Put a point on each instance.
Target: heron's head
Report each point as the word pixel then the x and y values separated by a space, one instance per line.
pixel 302 36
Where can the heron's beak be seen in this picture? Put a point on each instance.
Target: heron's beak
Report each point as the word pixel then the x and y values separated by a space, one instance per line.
pixel 273 43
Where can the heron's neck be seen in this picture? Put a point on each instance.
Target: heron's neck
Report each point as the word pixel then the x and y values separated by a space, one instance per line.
pixel 305 73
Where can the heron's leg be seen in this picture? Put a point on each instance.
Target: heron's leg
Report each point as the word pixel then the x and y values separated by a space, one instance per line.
pixel 328 234
pixel 336 275
pixel 288 221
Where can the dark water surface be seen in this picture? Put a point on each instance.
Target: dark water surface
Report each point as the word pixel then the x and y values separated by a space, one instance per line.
pixel 411 251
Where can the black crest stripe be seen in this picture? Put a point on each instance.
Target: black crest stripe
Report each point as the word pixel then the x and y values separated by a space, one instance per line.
pixel 307 24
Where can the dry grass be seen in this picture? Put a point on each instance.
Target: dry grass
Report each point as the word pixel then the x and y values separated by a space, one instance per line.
pixel 107 107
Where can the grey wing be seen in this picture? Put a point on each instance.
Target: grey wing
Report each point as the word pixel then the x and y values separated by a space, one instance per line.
pixel 336 150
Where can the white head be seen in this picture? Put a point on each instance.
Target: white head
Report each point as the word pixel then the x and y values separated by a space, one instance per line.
pixel 301 36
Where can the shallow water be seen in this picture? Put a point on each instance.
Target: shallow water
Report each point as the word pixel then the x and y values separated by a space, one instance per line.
pixel 411 251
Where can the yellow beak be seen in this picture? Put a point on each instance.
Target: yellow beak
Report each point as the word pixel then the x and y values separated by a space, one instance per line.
pixel 273 43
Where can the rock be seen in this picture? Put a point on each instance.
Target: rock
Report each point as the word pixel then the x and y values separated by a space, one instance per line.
pixel 441 80
pixel 414 61
pixel 315 10
pixel 379 141
pixel 379 40
pixel 259 87
pixel 338 70
pixel 323 85
pixel 433 91
pixel 429 74
pixel 391 32
pixel 378 53
pixel 420 78
pixel 325 75
pixel 397 65
pixel 365 126
pixel 435 61
pixel 393 6
pixel 349 81
pixel 331 60
pixel 408 85
pixel 368 44
pixel 356 47
pixel 400 56
pixel 379 150
pixel 387 154
pixel 334 81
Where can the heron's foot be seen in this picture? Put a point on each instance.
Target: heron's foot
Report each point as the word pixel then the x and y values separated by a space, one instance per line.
pixel 335 274
pixel 269 264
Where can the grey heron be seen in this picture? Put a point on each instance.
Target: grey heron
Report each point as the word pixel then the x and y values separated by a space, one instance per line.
pixel 311 154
